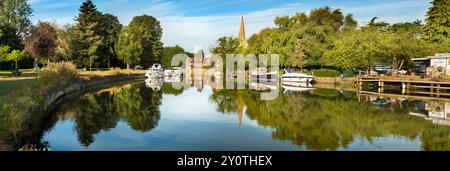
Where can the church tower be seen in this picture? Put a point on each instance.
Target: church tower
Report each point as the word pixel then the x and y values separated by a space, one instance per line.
pixel 242 40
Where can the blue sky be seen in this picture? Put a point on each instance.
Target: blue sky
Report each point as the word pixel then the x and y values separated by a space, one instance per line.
pixel 196 24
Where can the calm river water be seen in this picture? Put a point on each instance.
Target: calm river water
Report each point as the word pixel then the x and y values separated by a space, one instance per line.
pixel 139 117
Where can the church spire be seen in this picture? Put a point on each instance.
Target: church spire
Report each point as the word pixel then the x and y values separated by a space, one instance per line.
pixel 242 39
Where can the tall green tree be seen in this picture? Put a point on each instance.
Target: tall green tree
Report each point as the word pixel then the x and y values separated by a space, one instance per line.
pixel 129 46
pixel 84 36
pixel 8 36
pixel 17 14
pixel 62 43
pixel 110 30
pixel 150 31
pixel 437 27
pixel 169 52
pixel 225 45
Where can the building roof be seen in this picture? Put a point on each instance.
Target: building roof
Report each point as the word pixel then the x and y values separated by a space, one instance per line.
pixel 436 56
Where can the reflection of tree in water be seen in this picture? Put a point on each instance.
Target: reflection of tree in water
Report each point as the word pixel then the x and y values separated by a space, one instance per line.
pixel 93 113
pixel 325 120
pixel 139 107
pixel 167 88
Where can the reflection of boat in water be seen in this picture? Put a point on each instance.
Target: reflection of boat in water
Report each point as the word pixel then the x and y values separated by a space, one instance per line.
pixel 436 111
pixel 262 74
pixel 174 72
pixel 292 76
pixel 381 102
pixel 263 85
pixel 172 79
pixel 296 86
pixel 154 83
pixel 156 71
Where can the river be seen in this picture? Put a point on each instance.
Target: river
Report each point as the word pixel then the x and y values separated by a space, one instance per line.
pixel 137 117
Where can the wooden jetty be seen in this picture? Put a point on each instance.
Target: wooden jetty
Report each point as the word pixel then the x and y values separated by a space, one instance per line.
pixel 432 88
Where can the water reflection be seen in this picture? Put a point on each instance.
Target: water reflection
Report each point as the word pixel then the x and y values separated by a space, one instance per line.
pixel 134 104
pixel 328 120
pixel 301 118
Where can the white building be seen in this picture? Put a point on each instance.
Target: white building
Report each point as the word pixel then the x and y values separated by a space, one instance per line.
pixel 439 60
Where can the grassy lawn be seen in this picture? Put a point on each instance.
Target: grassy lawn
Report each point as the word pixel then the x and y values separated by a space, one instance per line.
pixel 88 74
pixel 26 73
pixel 5 75
pixel 106 73
pixel 8 87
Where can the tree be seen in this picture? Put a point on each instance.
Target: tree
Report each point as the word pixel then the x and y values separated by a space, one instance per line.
pixel 400 47
pixel 169 53
pixel 150 31
pixel 15 56
pixel 8 36
pixel 84 36
pixel 349 22
pixel 225 45
pixel 17 14
pixel 363 48
pixel 139 107
pixel 325 16
pixel 314 33
pixel 129 47
pixel 298 58
pixel 4 50
pixel 42 41
pixel 62 43
pixel 111 28
pixel 437 27
pixel 356 49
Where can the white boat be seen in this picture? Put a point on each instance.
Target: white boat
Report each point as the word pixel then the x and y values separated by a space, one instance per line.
pixel 291 76
pixel 155 71
pixel 174 72
pixel 261 73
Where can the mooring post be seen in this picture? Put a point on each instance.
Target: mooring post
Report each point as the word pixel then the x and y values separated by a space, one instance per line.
pixel 408 87
pixel 431 89
pixel 403 88
pixel 380 86
pixel 360 83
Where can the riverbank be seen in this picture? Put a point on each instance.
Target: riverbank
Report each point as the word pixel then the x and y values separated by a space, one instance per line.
pixel 21 111
pixel 335 80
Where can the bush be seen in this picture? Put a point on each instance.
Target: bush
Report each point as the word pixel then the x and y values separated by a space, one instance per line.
pixel 325 73
pixel 57 74
pixel 115 71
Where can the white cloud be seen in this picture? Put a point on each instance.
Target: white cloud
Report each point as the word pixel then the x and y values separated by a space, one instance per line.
pixel 190 32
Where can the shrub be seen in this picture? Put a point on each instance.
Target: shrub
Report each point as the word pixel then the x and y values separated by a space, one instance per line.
pixel 57 74
pixel 325 73
pixel 115 71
